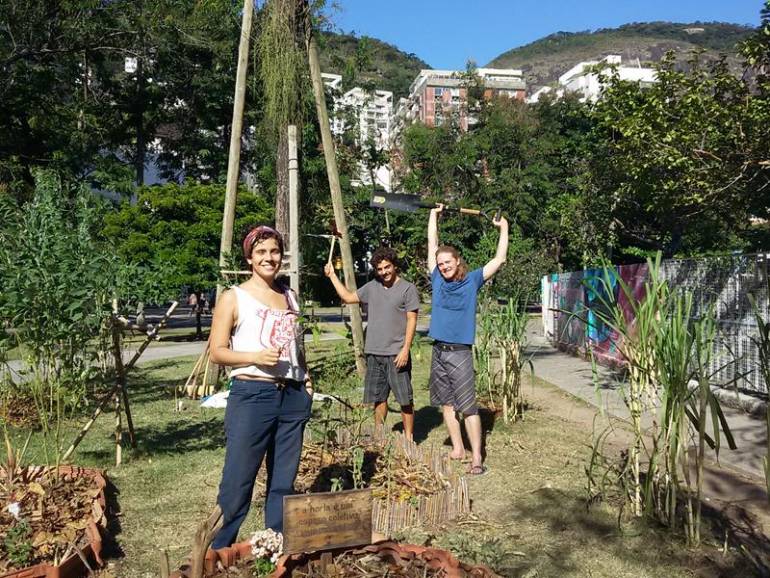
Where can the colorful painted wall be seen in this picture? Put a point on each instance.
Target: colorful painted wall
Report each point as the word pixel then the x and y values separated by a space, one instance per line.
pixel 570 301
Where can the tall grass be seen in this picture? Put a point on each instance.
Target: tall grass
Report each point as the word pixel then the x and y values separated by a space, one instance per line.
pixel 669 352
pixel 502 337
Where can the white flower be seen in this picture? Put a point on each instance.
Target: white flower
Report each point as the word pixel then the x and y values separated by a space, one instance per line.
pixel 267 544
pixel 14 508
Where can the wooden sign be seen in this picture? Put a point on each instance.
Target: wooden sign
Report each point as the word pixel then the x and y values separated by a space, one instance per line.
pixel 327 520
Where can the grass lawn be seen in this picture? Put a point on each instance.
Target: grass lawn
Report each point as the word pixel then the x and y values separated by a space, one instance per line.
pixel 529 512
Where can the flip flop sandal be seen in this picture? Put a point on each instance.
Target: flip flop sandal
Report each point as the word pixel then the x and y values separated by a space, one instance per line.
pixel 477 471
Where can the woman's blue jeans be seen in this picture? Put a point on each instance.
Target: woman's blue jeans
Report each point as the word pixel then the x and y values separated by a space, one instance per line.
pixel 261 420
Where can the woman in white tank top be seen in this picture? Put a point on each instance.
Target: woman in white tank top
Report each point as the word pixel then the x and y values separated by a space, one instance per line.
pixel 255 331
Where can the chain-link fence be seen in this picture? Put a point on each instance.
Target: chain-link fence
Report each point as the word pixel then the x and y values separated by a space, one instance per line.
pixel 724 283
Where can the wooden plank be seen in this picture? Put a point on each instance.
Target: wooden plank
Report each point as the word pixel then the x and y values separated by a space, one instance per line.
pixel 327 520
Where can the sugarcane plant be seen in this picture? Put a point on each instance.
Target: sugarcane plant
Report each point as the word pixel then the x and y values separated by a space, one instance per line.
pixel 482 352
pixel 669 351
pixel 510 329
pixel 633 333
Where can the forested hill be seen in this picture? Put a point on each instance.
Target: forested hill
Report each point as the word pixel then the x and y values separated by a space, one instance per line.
pixel 384 65
pixel 544 60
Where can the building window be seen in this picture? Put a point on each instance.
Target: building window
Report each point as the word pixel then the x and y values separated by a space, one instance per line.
pixel 438 93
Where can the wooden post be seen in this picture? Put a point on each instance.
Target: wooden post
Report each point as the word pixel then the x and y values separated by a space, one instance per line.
pixel 120 378
pixel 118 430
pixel 234 159
pixel 165 567
pixel 293 210
pixel 335 189
pixel 203 538
pixel 116 387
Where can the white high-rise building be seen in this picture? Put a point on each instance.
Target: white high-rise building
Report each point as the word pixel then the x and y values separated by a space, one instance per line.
pixel 583 78
pixel 371 111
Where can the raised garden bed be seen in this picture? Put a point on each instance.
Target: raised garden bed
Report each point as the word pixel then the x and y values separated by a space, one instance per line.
pixel 411 485
pixel 51 521
pixel 382 559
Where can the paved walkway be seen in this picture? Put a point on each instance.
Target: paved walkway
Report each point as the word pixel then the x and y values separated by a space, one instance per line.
pixel 575 376
pixel 168 350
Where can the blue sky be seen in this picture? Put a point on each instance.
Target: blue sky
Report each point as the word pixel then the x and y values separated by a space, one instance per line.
pixel 446 33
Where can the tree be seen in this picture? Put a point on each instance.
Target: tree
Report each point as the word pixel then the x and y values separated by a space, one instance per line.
pixel 179 226
pixel 284 76
pixel 675 170
pixel 59 279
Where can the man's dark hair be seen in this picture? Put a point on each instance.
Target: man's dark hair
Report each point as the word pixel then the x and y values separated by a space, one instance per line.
pixel 384 254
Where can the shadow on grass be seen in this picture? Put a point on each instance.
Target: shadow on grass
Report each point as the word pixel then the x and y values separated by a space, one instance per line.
pixel 110 545
pixel 574 529
pixel 426 419
pixel 172 439
pixel 181 437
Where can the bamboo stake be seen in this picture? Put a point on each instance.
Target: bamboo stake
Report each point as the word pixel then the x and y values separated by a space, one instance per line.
pixel 236 132
pixel 118 431
pixel 100 408
pixel 193 377
pixel 120 371
pixel 334 187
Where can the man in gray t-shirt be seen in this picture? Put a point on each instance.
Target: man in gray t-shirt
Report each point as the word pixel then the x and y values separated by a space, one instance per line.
pixel 393 304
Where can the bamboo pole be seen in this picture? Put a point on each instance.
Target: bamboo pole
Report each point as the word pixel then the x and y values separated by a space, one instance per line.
pixel 118 430
pixel 100 408
pixel 294 258
pixel 234 158
pixel 120 374
pixel 335 188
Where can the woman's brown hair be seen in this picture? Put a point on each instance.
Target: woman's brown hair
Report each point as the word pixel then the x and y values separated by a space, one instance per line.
pixel 462 266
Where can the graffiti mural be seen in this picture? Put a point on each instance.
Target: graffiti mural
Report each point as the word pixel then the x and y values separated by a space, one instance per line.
pixel 571 320
pixel 571 302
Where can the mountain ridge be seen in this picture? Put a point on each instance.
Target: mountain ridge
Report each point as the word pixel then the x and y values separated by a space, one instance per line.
pixel 545 59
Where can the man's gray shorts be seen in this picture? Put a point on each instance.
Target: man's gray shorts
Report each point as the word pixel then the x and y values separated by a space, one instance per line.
pixel 382 377
pixel 452 381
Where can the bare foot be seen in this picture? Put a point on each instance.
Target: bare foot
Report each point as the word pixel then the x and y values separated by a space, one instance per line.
pixel 455 456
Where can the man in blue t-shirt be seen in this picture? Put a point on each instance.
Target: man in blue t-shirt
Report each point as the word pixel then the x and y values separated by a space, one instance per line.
pixel 453 329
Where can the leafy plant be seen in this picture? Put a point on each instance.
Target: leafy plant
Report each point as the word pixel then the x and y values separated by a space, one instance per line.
pixel 666 348
pixel 59 280
pixel 357 467
pixel 478 549
pixel 18 544
pixel 263 567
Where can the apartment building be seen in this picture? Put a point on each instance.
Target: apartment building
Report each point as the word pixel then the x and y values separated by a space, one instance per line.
pixel 371 112
pixel 436 94
pixel 583 78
